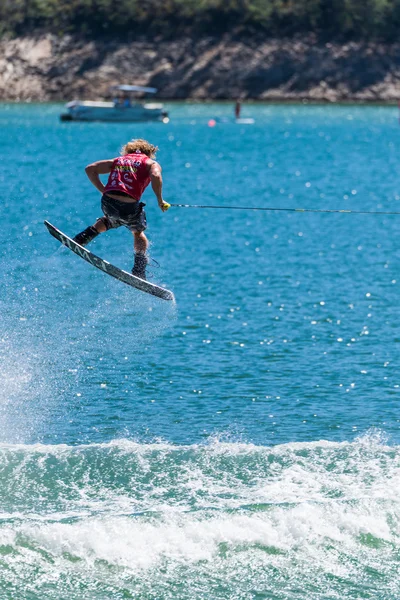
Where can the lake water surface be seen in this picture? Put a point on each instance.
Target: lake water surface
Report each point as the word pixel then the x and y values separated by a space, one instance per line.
pixel 244 442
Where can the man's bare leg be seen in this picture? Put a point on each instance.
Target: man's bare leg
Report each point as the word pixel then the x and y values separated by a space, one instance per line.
pixel 141 244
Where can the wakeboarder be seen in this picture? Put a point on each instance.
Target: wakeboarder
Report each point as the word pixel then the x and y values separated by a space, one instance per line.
pixel 129 175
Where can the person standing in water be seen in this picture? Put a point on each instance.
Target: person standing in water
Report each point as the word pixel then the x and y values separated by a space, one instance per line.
pixel 129 175
pixel 238 108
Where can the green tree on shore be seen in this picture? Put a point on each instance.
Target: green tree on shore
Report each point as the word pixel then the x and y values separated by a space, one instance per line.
pixel 329 19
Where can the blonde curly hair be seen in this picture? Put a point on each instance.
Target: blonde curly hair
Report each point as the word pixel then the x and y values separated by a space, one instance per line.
pixel 143 145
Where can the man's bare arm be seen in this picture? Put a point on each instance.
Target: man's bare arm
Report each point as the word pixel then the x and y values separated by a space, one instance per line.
pixel 156 184
pixel 101 167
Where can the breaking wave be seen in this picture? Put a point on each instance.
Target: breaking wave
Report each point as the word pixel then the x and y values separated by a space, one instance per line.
pixel 220 520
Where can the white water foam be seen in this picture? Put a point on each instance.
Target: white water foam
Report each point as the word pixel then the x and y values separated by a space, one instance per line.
pixel 320 517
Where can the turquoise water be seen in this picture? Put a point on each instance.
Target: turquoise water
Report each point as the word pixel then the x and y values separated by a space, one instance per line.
pixel 243 443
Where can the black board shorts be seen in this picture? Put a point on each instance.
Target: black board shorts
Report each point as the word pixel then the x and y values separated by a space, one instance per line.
pixel 124 214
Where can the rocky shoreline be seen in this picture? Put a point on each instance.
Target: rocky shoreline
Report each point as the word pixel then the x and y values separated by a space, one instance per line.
pixel 51 68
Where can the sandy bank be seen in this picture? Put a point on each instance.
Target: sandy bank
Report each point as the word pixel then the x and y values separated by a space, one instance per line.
pixel 62 68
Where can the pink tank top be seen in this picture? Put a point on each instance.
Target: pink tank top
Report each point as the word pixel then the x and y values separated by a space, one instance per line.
pixel 130 174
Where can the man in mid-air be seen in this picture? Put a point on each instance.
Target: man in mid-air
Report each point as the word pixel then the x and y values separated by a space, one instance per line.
pixel 129 175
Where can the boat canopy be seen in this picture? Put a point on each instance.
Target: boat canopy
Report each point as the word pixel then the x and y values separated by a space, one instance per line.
pixel 134 88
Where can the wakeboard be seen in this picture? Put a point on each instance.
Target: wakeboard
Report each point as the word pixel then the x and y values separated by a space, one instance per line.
pixel 103 265
pixel 244 121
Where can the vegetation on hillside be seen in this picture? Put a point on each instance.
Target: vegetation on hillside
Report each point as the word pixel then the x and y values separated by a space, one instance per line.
pixel 330 19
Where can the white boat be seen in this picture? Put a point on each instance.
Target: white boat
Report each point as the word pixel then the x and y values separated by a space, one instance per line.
pixel 122 108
